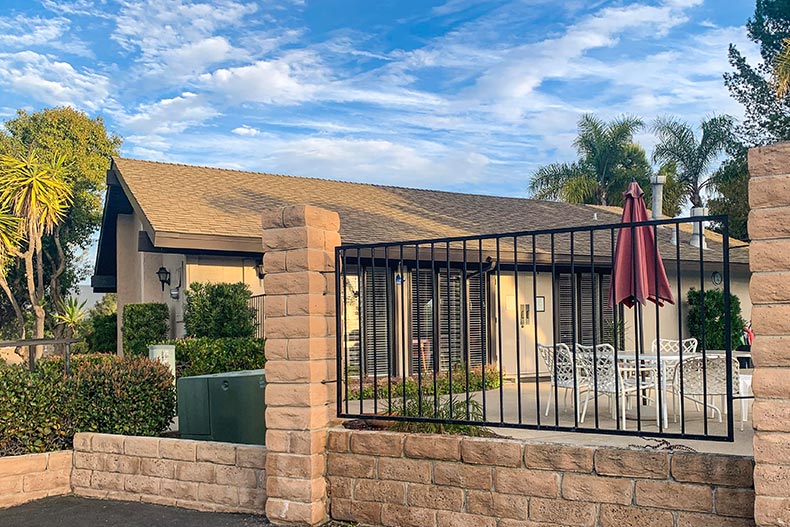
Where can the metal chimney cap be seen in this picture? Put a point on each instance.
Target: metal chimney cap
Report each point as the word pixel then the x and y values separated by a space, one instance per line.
pixel 658 180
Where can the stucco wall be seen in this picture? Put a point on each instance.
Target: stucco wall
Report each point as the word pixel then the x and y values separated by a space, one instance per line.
pixel 137 281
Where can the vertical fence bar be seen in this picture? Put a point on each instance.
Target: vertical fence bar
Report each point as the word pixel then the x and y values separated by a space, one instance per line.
pixel 518 326
pixel 555 307
pixel 702 318
pixel 483 325
pixel 535 325
pixel 616 328
pixel 499 333
pixel 574 334
pixel 418 307
pixel 680 332
pixel 342 366
pixel 597 304
pixel 449 335
pixel 728 326
pixel 362 336
pixel 465 351
pixel 388 284
pixel 375 332
pixel 436 330
pixel 405 339
pixel 659 364
pixel 637 331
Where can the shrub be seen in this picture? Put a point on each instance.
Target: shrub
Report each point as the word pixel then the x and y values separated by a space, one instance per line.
pixel 411 384
pixel 446 408
pixel 41 411
pixel 143 325
pixel 201 356
pixel 713 324
pixel 219 311
pixel 102 333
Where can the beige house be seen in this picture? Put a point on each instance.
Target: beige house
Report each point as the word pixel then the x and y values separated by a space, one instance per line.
pixel 203 224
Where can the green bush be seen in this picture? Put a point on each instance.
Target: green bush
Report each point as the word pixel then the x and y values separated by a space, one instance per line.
pixel 712 325
pixel 143 325
pixel 41 411
pixel 102 333
pixel 201 356
pixel 219 311
pixel 369 390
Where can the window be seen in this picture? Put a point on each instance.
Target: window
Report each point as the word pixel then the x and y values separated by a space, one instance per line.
pixel 583 311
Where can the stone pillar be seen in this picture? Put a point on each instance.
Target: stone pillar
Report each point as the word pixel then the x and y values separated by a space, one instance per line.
pixel 299 284
pixel 769 258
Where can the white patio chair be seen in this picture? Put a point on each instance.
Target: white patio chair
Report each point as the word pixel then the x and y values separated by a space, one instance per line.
pixel 695 371
pixel 674 347
pixel 606 377
pixel 563 375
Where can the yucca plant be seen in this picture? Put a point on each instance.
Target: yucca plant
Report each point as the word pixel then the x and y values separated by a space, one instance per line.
pixel 782 70
pixel 72 315
pixel 35 191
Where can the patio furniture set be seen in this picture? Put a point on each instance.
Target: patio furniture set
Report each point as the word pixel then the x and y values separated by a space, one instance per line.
pixel 673 367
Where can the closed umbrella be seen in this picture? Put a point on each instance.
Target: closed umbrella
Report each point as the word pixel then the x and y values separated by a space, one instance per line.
pixel 637 266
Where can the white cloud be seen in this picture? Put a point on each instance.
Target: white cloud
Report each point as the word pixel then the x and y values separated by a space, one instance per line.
pixel 288 80
pixel 52 81
pixel 246 130
pixel 168 116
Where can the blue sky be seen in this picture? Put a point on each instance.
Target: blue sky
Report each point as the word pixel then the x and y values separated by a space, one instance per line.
pixel 458 95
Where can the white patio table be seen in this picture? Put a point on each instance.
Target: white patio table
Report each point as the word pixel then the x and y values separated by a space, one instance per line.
pixel 669 361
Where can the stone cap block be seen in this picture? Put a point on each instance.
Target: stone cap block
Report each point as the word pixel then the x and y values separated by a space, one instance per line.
pixel 770 160
pixel 300 216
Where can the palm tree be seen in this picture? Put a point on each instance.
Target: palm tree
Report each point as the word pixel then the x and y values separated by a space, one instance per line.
pixel 35 192
pixel 692 158
pixel 607 153
pixel 782 70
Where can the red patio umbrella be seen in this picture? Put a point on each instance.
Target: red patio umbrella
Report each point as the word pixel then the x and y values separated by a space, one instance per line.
pixel 636 258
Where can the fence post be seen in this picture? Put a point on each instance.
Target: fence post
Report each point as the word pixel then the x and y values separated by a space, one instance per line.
pixel 298 245
pixel 769 260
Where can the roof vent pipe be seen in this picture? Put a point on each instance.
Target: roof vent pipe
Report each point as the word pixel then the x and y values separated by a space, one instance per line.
pixel 658 195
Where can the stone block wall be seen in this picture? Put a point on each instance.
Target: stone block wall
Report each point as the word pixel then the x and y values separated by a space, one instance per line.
pixel 299 284
pixel 197 475
pixel 411 480
pixel 769 261
pixel 34 476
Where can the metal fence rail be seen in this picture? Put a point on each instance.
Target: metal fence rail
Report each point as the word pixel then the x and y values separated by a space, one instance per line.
pixel 503 329
pixel 256 302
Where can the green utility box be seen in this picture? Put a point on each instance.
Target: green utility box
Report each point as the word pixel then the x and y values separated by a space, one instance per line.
pixel 225 407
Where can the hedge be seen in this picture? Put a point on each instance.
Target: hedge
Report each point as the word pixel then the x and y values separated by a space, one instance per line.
pixel 143 325
pixel 219 310
pixel 710 330
pixel 202 356
pixel 41 411
pixel 459 385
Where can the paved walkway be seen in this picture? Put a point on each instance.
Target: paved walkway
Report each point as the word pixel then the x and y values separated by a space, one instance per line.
pixel 70 511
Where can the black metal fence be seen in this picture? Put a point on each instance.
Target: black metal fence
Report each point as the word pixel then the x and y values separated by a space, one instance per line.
pixel 503 329
pixel 256 302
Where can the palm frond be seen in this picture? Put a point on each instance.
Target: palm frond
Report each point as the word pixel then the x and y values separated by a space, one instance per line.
pixel 547 182
pixel 35 190
pixel 782 70
pixel 581 189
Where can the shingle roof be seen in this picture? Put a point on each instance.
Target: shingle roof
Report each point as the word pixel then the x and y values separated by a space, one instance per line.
pixel 193 201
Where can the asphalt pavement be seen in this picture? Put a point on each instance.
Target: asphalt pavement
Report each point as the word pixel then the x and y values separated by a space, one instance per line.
pixel 71 511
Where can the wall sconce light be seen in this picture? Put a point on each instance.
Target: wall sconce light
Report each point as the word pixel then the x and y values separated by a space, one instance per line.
pixel 164 276
pixel 259 270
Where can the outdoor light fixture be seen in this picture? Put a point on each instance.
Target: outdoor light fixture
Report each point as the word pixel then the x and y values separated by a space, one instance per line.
pixel 164 276
pixel 259 270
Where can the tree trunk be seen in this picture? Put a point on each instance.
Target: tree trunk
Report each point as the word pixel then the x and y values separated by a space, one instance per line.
pixel 20 317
